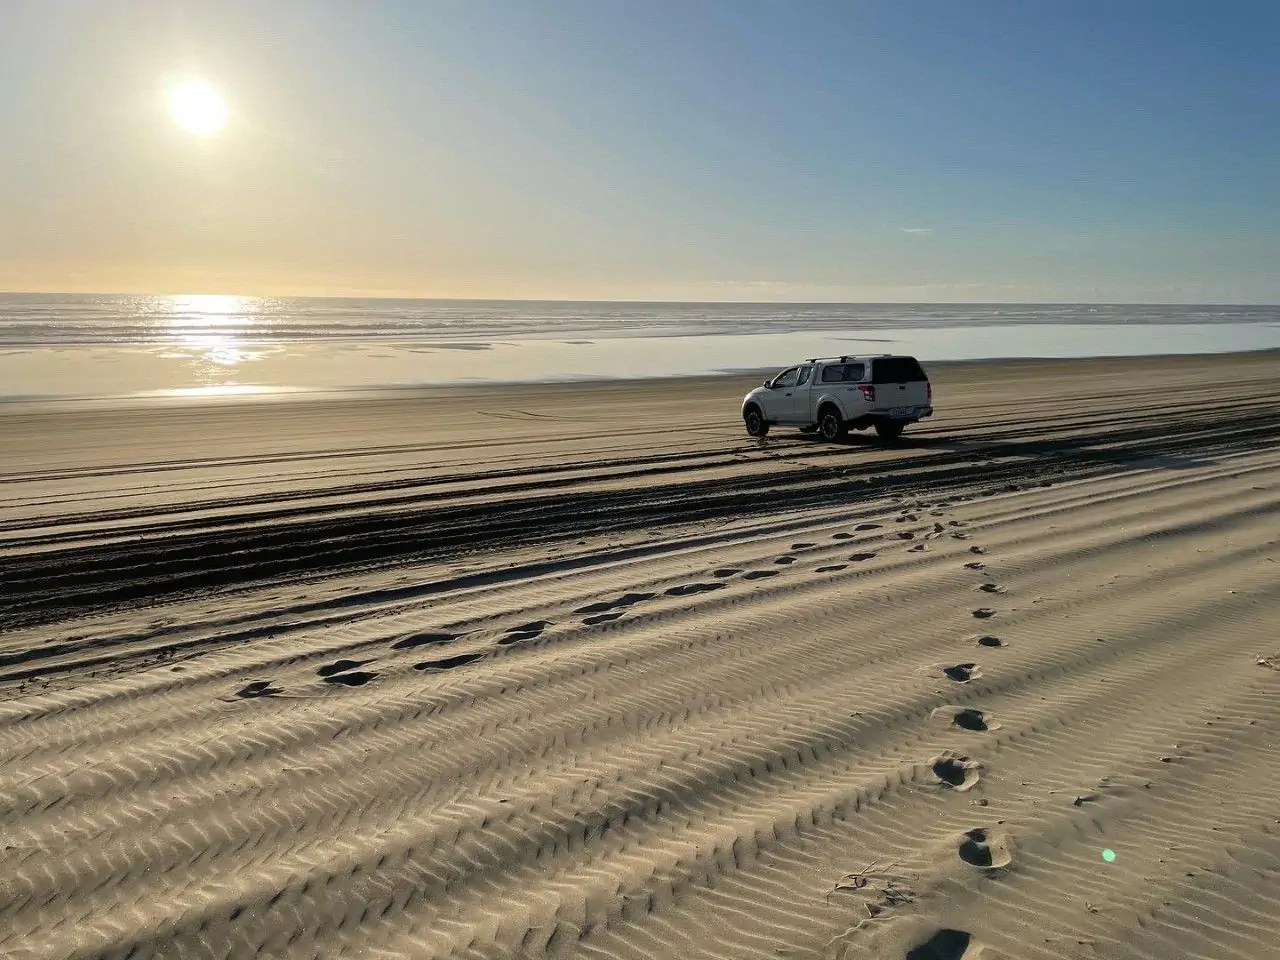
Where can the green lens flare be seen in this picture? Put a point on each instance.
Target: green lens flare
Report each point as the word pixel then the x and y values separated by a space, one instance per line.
pixel 1109 855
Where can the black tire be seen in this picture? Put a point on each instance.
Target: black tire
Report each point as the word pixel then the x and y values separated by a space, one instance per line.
pixel 754 421
pixel 831 425
pixel 888 430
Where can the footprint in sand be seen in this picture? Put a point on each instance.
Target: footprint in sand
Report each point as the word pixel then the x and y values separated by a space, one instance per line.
pixel 867 526
pixel 598 607
pixel 783 561
pixel 990 641
pixel 991 588
pixel 258 688
pixel 959 536
pixel 957 772
pixel 975 565
pixel 973 720
pixel 526 631
pixel 859 557
pixel 984 613
pixel 601 618
pixel 534 626
pixel 944 944
pixel 977 550
pixel 832 568
pixel 449 663
pixel 423 639
pixel 965 718
pixel 986 848
pixel 626 600
pixel 760 574
pixel 356 678
pixel 962 672
pixel 340 666
pixel 918 548
pixel 689 589
pixel 725 573
pixel 906 535
pixel 802 546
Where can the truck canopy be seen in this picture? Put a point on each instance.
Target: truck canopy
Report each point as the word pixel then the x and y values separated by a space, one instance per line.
pixel 896 370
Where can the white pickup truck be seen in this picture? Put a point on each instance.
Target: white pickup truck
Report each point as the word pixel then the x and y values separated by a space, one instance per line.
pixel 834 395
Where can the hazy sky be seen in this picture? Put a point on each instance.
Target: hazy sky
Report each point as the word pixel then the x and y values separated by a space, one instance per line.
pixel 873 150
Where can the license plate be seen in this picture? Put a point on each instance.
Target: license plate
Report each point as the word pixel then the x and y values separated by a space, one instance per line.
pixel 899 411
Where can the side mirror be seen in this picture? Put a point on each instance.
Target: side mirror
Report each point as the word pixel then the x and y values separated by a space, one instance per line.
pixel 767 383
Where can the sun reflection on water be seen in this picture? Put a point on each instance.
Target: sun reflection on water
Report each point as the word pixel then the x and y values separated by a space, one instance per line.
pixel 214 332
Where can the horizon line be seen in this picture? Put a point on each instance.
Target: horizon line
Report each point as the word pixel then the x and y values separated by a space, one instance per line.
pixel 664 301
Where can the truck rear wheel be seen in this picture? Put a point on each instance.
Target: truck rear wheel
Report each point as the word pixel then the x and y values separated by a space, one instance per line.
pixel 754 421
pixel 888 430
pixel 830 424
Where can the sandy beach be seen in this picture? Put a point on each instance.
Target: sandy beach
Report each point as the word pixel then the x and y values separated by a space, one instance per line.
pixel 581 670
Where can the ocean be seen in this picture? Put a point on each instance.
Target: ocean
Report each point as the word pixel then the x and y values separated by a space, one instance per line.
pixel 79 346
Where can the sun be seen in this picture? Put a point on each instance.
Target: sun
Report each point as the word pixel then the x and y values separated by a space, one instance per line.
pixel 197 107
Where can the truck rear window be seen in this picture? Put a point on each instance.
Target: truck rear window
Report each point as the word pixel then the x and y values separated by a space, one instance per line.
pixel 842 373
pixel 896 370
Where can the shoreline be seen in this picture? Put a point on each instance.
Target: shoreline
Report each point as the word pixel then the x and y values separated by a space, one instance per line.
pixel 250 394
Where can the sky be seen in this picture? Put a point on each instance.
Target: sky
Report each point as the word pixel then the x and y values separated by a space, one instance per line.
pixel 882 150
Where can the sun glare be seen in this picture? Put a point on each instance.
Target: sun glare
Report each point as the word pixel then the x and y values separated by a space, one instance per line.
pixel 209 330
pixel 197 107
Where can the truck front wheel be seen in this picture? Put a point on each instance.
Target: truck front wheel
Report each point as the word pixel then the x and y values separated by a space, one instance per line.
pixel 754 421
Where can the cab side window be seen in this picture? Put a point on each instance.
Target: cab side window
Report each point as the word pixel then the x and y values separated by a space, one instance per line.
pixel 833 373
pixel 855 372
pixel 804 376
pixel 787 378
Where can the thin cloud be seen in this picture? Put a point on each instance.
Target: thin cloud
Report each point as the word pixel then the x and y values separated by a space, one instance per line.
pixel 779 284
pixel 919 231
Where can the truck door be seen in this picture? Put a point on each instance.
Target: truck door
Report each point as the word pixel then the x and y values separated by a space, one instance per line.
pixel 801 408
pixel 778 401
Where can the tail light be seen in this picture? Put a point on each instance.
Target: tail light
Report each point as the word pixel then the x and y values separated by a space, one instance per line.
pixel 868 391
